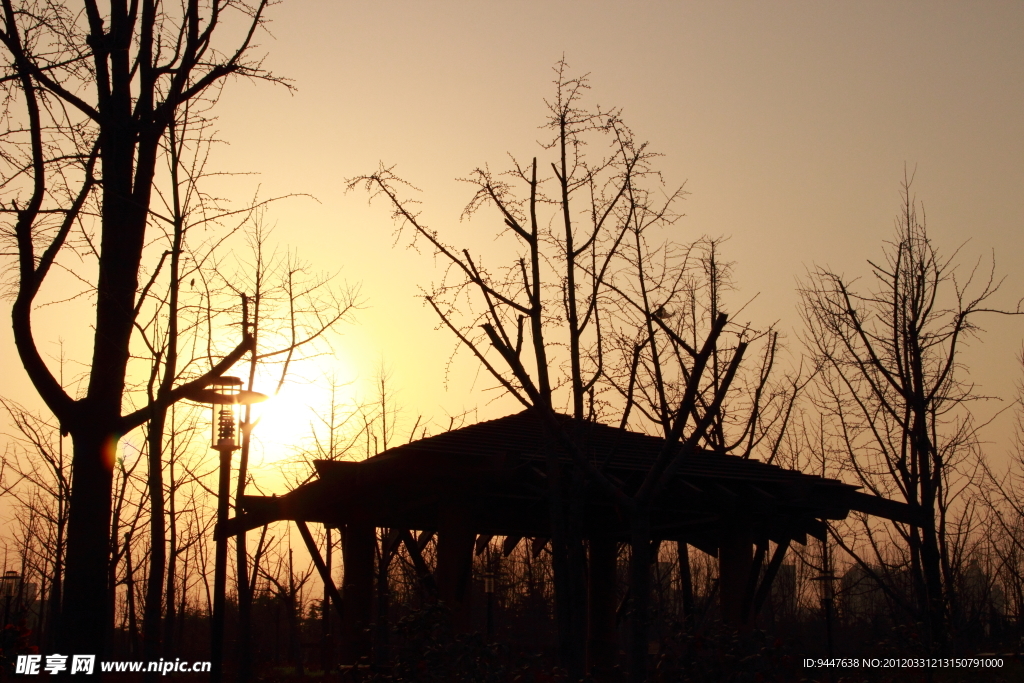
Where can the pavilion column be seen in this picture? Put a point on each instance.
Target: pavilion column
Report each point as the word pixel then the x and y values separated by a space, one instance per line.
pixel 358 548
pixel 735 560
pixel 455 540
pixel 602 643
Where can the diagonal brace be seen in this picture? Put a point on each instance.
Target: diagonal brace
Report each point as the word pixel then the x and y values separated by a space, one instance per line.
pixel 769 576
pixel 321 567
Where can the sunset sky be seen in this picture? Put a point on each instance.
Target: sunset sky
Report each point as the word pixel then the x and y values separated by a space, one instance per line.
pixel 790 123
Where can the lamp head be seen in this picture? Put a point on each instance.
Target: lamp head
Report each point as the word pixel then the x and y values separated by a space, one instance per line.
pixel 226 392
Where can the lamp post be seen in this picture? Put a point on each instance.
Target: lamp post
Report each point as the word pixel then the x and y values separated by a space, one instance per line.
pixel 489 592
pixel 10 580
pixel 489 579
pixel 225 395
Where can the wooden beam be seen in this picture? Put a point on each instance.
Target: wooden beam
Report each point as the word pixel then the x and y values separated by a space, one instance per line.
pixel 816 528
pixel 321 567
pixel 509 545
pixel 761 501
pixel 883 507
pixel 424 538
pixel 725 497
pixel 702 543
pixel 246 522
pixel 765 589
pixel 481 543
pixel 422 570
pixel 755 572
pixel 390 546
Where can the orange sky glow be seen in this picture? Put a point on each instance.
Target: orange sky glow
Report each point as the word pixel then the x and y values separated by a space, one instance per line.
pixel 790 123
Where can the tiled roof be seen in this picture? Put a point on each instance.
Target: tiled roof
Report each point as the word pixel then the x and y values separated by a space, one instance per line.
pixel 521 436
pixel 496 471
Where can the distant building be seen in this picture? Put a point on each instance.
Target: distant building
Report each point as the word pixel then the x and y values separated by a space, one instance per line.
pixel 981 600
pixel 783 595
pixel 860 596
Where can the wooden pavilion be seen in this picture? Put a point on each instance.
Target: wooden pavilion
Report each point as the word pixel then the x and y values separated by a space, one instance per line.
pixel 490 479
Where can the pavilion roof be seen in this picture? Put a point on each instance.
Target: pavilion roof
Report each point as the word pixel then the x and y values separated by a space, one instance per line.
pixel 496 472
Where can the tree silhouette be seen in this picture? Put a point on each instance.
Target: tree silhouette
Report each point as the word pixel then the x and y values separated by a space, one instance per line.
pixel 894 387
pixel 547 324
pixel 93 94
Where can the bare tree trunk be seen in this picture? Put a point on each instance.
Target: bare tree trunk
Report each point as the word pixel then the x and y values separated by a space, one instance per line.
pixel 172 565
pixel 86 575
pixel 152 609
pixel 129 582
pixel 135 96
pixel 640 595
pixel 603 642
pixel 56 584
pixel 244 588
pixel 559 553
pixel 577 566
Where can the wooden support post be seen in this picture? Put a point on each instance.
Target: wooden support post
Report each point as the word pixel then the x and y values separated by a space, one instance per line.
pixel 358 547
pixel 455 541
pixel 602 644
pixel 734 564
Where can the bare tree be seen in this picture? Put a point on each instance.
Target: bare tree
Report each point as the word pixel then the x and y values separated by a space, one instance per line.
pixel 672 299
pixel 556 299
pixel 38 476
pixel 163 321
pixel 583 196
pixel 897 396
pixel 92 94
pixel 287 586
pixel 1004 499
pixel 293 312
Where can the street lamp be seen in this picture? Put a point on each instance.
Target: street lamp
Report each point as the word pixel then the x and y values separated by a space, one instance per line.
pixel 489 592
pixel 490 577
pixel 225 397
pixel 10 588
